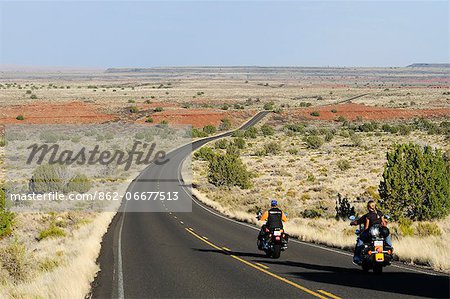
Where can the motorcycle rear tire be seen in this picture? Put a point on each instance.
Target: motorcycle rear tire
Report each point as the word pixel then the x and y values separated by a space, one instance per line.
pixel 276 251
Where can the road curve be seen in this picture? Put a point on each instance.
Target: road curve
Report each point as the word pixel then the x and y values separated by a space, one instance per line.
pixel 204 254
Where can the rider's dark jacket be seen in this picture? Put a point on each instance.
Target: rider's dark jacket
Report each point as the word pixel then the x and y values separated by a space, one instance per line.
pixel 274 217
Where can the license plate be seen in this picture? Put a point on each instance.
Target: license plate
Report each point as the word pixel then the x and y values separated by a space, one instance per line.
pixel 379 257
pixel 277 233
pixel 378 244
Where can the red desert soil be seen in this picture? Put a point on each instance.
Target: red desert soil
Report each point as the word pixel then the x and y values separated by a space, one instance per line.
pixel 352 111
pixel 201 117
pixel 48 113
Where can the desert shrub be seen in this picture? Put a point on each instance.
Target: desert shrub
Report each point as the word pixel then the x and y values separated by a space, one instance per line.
pixel 305 104
pixel 6 217
pixel 239 143
pixel 209 129
pixel 205 153
pixel 416 183
pixel 341 119
pixel 315 113
pixel 343 208
pixel 225 124
pixel 405 227
pixel 238 133
pixel 14 258
pixel 131 101
pixel 233 150
pixel 268 106
pixel 28 92
pixel 149 119
pixel 292 151
pixel 404 129
pixel 425 229
pixel 225 107
pixel 329 136
pixel 368 127
pixel 2 142
pixel 158 109
pixel 221 144
pixel 52 232
pixel 228 170
pixel 238 106
pixel 198 133
pixel 49 137
pixel 20 117
pixel 311 213
pixel 267 130
pixel 314 142
pixel 33 97
pixel 273 148
pixel 333 110
pixel 134 109
pixel 79 183
pixel 296 128
pixel 48 178
pixel 343 165
pixel 251 132
pixel 356 140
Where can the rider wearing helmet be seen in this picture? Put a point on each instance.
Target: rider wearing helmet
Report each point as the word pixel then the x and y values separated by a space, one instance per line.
pixel 274 218
pixel 373 217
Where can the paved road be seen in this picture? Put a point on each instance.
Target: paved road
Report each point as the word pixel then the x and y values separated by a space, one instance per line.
pixel 204 254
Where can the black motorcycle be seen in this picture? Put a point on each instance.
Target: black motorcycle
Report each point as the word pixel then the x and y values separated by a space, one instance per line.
pixel 376 253
pixel 272 241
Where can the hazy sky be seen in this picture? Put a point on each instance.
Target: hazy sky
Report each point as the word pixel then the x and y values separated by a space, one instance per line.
pixel 186 33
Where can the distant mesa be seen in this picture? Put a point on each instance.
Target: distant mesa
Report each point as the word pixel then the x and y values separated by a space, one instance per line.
pixel 430 65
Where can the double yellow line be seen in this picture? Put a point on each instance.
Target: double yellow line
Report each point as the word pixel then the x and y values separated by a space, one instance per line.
pixel 259 268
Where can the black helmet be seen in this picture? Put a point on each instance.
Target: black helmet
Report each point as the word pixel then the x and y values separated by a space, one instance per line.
pixel 384 231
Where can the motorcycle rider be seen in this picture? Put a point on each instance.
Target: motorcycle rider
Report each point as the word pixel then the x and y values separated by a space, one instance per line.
pixel 370 219
pixel 274 218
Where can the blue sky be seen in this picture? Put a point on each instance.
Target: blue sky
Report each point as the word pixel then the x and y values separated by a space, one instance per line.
pixel 297 33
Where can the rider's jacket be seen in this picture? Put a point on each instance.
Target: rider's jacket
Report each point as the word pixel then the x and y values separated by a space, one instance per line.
pixel 274 217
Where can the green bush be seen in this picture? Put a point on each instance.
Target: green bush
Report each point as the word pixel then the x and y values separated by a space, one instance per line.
pixel 196 133
pixel 52 232
pixel 343 165
pixel 356 140
pixel 251 132
pixel 425 229
pixel 273 148
pixel 296 128
pixel 268 106
pixel 20 117
pixel 315 113
pixel 311 213
pixel 416 183
pixel 221 144
pixel 205 153
pixel 239 143
pixel 2 142
pixel 267 130
pixel 48 178
pixel 149 119
pixel 79 183
pixel 228 170
pixel 238 133
pixel 14 258
pixel 33 97
pixel 314 142
pixel 225 124
pixel 158 109
pixel 329 136
pixel 134 109
pixel 209 129
pixel 6 217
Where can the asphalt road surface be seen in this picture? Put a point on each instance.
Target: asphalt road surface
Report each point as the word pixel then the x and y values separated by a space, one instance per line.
pixel 204 254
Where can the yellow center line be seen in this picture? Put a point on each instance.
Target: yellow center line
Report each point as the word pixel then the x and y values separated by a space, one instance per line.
pixel 227 249
pixel 262 266
pixel 304 289
pixel 206 238
pixel 329 294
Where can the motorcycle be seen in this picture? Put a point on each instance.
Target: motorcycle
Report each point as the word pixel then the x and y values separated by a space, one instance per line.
pixel 376 253
pixel 273 242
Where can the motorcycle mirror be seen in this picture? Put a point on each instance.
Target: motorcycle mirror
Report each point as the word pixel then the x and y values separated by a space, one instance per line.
pixel 286 213
pixel 352 217
pixel 387 216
